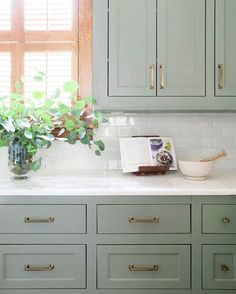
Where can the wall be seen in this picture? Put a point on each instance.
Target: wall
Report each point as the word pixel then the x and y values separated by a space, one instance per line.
pixel 195 135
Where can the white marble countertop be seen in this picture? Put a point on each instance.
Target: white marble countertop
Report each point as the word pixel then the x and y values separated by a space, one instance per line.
pixel 115 183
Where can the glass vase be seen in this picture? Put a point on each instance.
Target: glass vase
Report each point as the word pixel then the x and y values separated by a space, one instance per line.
pixel 19 161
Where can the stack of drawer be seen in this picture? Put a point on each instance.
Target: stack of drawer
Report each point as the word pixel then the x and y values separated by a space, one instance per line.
pixel 152 266
pixel 42 266
pixel 219 260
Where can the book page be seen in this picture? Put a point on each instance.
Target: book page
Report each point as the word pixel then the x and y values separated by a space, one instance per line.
pixel 135 152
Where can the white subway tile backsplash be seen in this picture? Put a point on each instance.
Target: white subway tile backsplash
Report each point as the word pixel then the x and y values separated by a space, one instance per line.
pixel 195 135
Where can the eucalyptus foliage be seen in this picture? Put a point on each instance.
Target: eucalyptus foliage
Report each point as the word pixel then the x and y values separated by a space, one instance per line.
pixel 37 120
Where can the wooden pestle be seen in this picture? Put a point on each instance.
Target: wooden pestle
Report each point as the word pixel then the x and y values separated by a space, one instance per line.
pixel 214 157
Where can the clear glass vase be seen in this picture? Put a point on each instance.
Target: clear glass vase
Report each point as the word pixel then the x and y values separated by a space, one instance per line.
pixel 19 161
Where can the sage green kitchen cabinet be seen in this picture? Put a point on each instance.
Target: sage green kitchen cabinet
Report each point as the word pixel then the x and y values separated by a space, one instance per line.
pixel 225 46
pixel 190 37
pixel 181 47
pixel 132 244
pixel 132 48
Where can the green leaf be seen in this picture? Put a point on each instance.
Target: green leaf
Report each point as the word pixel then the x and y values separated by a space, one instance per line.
pixel 57 93
pixel 46 117
pixel 95 122
pixel 38 78
pixel 85 141
pixel 75 113
pixel 23 123
pixel 80 104
pixel 98 152
pixel 38 94
pixel 15 96
pixel 63 109
pixel 69 125
pixel 72 138
pixel 18 86
pixel 70 86
pixel 36 165
pixel 49 103
pixel 100 145
pixel 82 133
pixel 28 134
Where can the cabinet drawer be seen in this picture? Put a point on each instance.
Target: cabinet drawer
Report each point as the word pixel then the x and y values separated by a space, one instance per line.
pixel 146 219
pixel 143 266
pixel 43 266
pixel 42 219
pixel 219 219
pixel 219 267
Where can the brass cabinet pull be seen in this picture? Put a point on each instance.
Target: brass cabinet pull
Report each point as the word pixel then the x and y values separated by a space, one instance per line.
pixel 225 268
pixel 137 268
pixel 152 76
pixel 221 76
pixel 30 268
pixel 144 220
pixel 50 219
pixel 226 220
pixel 162 76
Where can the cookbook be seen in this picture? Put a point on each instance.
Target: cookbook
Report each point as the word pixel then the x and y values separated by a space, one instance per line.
pixel 147 151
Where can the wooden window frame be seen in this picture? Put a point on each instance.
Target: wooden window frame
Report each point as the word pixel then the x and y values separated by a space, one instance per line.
pixel 17 42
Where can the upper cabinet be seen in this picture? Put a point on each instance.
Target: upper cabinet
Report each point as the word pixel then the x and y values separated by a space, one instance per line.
pixel 225 48
pixel 181 47
pixel 164 55
pixel 132 48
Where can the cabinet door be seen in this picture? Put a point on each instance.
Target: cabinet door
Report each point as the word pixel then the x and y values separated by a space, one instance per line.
pixel 181 48
pixel 225 48
pixel 132 48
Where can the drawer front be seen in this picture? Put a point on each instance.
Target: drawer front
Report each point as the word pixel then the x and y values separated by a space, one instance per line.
pixel 219 267
pixel 143 266
pixel 143 219
pixel 42 219
pixel 219 219
pixel 44 266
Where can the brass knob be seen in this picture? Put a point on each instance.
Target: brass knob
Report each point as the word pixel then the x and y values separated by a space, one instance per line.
pixel 226 220
pixel 224 268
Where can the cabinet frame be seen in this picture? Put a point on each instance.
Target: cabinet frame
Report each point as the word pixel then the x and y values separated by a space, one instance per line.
pixel 210 103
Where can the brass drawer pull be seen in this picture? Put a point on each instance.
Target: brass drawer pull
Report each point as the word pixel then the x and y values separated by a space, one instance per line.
pixel 221 76
pixel 162 76
pixel 226 220
pixel 50 219
pixel 224 268
pixel 144 220
pixel 30 268
pixel 152 76
pixel 137 268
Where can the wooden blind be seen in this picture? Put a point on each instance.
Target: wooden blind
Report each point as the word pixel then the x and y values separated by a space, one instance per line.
pixel 44 35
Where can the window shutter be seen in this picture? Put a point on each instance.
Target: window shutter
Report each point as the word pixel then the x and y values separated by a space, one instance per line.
pixel 5 15
pixel 5 73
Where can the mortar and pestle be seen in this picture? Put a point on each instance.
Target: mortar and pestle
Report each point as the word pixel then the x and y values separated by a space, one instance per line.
pixel 199 169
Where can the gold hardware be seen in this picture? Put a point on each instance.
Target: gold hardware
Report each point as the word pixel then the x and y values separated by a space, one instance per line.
pixel 162 77
pixel 152 69
pixel 221 76
pixel 226 220
pixel 50 219
pixel 30 268
pixel 144 220
pixel 137 268
pixel 224 268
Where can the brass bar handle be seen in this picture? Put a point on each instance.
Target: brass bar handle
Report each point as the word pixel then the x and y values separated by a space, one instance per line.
pixel 29 219
pixel 162 76
pixel 226 220
pixel 152 76
pixel 31 268
pixel 144 220
pixel 138 268
pixel 221 76
pixel 225 268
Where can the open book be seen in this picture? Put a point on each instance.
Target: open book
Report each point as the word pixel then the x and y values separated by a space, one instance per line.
pixel 143 151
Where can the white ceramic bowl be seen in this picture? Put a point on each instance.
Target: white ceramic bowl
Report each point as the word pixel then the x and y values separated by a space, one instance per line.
pixel 195 170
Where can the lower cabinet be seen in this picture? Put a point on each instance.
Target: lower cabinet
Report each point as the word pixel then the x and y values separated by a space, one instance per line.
pixel 42 266
pixel 118 245
pixel 144 266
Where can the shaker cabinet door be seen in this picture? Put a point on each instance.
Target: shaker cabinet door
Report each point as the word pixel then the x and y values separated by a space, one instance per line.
pixel 181 48
pixel 225 48
pixel 132 48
